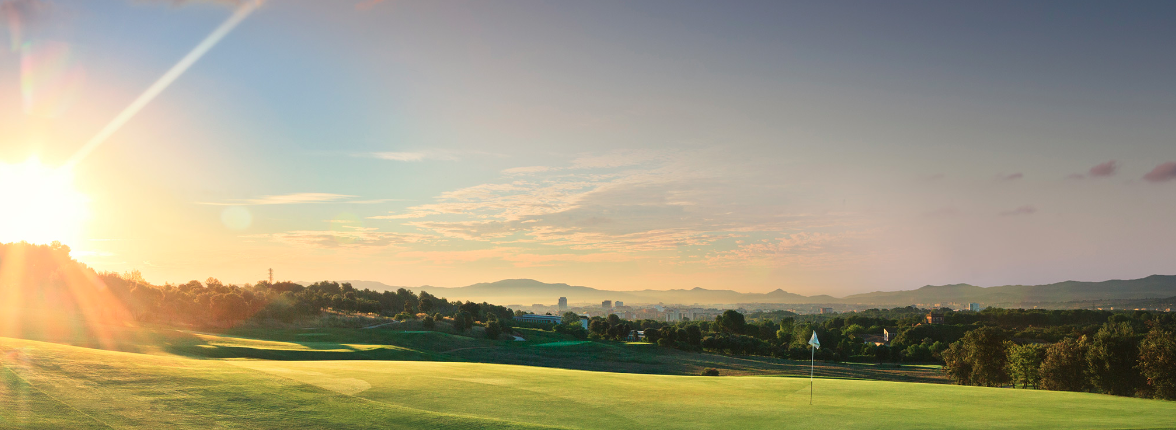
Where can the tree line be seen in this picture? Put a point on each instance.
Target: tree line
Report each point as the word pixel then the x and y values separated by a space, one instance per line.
pixel 45 280
pixel 1123 357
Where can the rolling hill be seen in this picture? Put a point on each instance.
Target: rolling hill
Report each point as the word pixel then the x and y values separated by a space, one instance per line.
pixel 529 291
pixel 46 385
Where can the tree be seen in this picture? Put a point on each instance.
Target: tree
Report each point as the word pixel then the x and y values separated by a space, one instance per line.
pixel 570 318
pixel 426 304
pixel 598 327
pixel 1157 362
pixel 228 307
pixel 1113 358
pixel 956 364
pixel 428 323
pixel 731 321
pixel 652 335
pixel 1064 366
pixel 693 335
pixel 470 308
pixel 1025 364
pixel 784 334
pixel 408 307
pixel 978 359
pixel 493 330
pixel 462 321
pixel 613 319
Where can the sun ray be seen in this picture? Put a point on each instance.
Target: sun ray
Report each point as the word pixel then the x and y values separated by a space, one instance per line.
pixel 163 82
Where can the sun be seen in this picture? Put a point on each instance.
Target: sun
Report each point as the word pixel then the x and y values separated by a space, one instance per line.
pixel 39 204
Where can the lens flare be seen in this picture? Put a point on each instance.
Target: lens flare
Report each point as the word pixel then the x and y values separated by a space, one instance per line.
pixel 39 204
pixel 236 218
pixel 50 79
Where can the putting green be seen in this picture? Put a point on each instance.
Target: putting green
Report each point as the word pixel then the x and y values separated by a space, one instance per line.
pixel 44 385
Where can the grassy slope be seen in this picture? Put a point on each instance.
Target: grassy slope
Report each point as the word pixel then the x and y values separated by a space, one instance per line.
pixel 45 385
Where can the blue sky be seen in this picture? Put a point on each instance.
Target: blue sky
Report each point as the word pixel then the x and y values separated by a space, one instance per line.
pixel 822 148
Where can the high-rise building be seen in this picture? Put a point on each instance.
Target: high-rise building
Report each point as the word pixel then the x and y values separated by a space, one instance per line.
pixel 607 304
pixel 563 304
pixel 620 303
pixel 974 307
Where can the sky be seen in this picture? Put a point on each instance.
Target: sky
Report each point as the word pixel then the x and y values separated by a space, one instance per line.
pixel 816 147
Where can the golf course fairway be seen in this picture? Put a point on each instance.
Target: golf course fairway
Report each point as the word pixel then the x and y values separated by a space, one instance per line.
pixel 47 385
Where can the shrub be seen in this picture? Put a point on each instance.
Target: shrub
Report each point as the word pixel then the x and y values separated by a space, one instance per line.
pixel 710 371
pixel 404 316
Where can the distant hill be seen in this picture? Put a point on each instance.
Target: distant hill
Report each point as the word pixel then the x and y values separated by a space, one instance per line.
pixel 1155 286
pixel 529 291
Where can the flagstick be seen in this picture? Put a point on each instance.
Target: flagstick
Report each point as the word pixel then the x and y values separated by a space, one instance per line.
pixel 812 360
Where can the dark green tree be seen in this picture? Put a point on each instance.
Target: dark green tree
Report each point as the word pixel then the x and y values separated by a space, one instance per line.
pixel 1113 360
pixel 784 333
pixel 693 335
pixel 428 323
pixel 731 321
pixel 598 327
pixel 570 318
pixel 493 330
pixel 462 321
pixel 981 354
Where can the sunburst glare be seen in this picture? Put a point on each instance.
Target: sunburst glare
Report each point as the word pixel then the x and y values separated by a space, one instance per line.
pixel 39 204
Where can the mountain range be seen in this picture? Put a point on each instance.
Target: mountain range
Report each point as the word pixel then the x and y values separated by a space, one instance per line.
pixel 528 291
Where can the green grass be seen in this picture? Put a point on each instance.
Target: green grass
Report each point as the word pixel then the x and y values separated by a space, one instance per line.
pixel 46 385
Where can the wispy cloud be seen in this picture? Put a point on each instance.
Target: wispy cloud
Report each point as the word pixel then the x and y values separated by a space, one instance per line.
pixel 411 156
pixel 1163 172
pixel 526 170
pixel 344 236
pixel 659 204
pixel 285 199
pixel 1022 210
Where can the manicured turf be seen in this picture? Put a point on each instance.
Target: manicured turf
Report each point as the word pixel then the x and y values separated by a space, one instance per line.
pixel 45 385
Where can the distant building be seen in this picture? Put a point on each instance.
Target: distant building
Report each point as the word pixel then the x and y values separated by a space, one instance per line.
pixel 826 310
pixel 563 304
pixel 873 339
pixel 934 317
pixel 889 333
pixel 607 304
pixel 620 303
pixel 974 307
pixel 546 319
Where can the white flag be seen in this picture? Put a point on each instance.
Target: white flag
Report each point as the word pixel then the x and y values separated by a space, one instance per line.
pixel 814 342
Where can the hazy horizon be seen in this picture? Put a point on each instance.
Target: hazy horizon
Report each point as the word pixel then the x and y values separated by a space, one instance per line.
pixel 820 148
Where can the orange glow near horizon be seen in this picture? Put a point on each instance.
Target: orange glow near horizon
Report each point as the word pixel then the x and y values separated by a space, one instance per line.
pixel 40 204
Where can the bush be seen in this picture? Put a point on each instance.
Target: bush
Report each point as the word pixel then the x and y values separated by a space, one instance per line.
pixel 404 316
pixel 428 323
pixel 710 371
